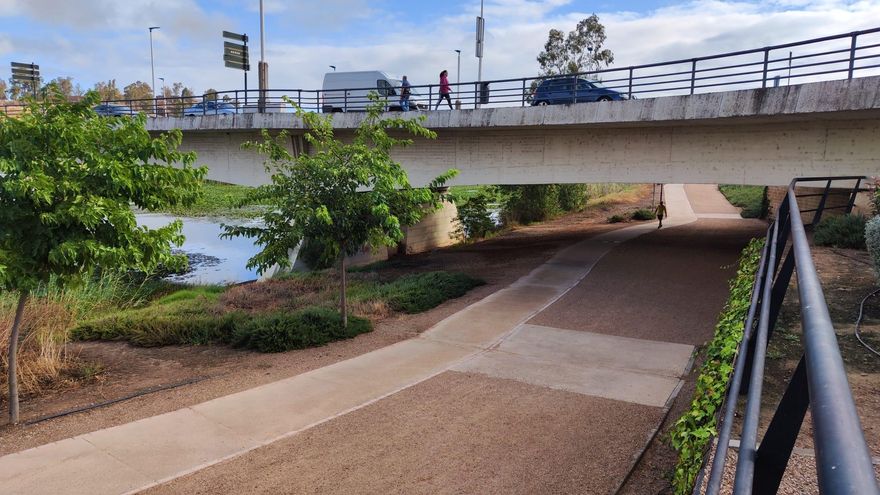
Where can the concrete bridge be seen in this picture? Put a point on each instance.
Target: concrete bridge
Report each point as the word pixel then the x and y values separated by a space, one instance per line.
pixel 759 136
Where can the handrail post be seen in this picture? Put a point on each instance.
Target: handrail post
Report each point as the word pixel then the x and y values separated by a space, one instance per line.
pixel 852 197
pixel 766 64
pixel 629 90
pixel 852 55
pixel 693 74
pixel 818 215
pixel 523 93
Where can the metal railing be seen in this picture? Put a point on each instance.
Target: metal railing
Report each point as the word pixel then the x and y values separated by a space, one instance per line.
pixel 842 56
pixel 843 461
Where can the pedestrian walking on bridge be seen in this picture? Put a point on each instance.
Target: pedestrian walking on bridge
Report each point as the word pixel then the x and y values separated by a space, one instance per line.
pixel 405 91
pixel 444 90
pixel 661 212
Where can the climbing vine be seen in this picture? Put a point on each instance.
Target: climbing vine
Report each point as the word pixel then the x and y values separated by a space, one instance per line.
pixel 694 430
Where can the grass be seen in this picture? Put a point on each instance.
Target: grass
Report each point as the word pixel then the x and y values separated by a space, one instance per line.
pixel 219 200
pixel 51 312
pixel 607 195
pixel 750 198
pixel 291 313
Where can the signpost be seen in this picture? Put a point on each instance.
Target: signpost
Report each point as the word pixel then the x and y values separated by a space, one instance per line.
pixel 235 56
pixel 26 74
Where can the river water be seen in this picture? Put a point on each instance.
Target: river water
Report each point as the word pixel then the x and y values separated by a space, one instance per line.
pixel 213 260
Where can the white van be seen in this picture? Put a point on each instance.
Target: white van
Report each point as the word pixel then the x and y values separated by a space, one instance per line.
pixel 347 91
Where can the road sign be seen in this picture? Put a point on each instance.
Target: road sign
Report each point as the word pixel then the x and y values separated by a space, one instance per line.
pixel 236 56
pixel 25 72
pixel 235 36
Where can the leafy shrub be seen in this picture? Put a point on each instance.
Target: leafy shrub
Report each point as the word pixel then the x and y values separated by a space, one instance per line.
pixel 318 254
pixel 474 219
pixel 872 240
pixel 311 327
pixel 643 214
pixel 693 431
pixel 530 203
pixel 422 291
pixel 616 219
pixel 572 197
pixel 752 199
pixel 841 231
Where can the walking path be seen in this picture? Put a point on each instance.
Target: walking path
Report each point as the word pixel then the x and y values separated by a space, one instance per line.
pixel 487 350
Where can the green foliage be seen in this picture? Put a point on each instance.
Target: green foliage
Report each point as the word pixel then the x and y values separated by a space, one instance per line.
pixel 571 197
pixel 617 218
pixel 342 194
pixel 219 200
pixel 643 214
pixel 752 199
pixel 279 332
pixel 841 231
pixel 872 241
pixel 422 291
pixel 530 203
pixel 68 180
pixel 318 254
pixel 474 219
pixel 693 431
pixel 579 51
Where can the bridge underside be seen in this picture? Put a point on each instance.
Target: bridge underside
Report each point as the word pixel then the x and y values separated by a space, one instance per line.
pixel 762 136
pixel 768 153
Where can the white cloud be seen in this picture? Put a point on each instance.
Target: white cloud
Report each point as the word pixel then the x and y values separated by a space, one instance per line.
pixel 188 46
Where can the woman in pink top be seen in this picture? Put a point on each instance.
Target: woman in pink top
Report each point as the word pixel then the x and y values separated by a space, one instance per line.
pixel 444 90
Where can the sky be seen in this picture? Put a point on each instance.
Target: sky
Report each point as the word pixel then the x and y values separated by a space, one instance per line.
pixel 98 40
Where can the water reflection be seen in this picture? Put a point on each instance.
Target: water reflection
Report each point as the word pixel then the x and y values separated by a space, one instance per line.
pixel 213 260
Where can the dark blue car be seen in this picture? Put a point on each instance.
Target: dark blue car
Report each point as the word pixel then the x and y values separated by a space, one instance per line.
pixel 560 90
pixel 111 110
pixel 210 107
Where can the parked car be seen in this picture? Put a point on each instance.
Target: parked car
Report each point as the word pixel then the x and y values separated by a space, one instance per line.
pixel 560 90
pixel 347 91
pixel 210 107
pixel 111 110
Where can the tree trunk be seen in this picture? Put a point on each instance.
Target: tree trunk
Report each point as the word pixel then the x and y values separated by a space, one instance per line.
pixel 13 359
pixel 343 309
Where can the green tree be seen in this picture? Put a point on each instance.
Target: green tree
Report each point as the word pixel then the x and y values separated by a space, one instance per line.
pixel 578 51
pixel 140 96
pixel 3 88
pixel 68 179
pixel 20 90
pixel 211 94
pixel 341 195
pixel 108 90
pixel 66 86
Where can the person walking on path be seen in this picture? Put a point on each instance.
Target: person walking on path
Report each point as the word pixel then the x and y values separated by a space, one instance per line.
pixel 405 91
pixel 661 212
pixel 444 90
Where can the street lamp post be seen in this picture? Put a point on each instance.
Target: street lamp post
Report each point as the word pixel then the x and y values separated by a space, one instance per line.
pixel 262 67
pixel 153 69
pixel 333 67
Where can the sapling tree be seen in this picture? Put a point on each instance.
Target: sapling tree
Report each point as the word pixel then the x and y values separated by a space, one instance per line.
pixel 342 196
pixel 68 179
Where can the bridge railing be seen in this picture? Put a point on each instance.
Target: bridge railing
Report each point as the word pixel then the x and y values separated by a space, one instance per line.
pixel 842 56
pixel 843 461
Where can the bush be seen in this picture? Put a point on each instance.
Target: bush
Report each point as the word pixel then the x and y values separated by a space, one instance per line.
pixel 474 219
pixel 530 203
pixel 616 219
pixel 841 231
pixel 643 214
pixel 311 327
pixel 318 255
pixel 422 291
pixel 872 241
pixel 572 197
pixel 693 431
pixel 752 199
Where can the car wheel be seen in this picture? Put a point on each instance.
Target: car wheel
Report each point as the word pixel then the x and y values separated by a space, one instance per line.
pixel 542 103
pixel 604 98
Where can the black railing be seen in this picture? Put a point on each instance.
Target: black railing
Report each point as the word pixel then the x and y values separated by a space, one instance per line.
pixel 843 461
pixel 842 56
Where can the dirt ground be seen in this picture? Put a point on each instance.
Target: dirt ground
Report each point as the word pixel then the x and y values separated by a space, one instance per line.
pixel 454 433
pixel 198 374
pixel 846 277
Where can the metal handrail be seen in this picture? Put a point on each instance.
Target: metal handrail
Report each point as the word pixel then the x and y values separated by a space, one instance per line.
pixel 675 77
pixel 843 461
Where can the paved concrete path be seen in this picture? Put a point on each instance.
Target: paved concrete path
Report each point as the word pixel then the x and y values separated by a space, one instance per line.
pixel 488 338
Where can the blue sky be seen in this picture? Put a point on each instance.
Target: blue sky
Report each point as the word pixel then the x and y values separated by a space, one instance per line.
pixel 94 40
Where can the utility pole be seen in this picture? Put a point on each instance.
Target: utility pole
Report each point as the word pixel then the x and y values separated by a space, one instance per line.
pixel 458 82
pixel 153 71
pixel 481 30
pixel 263 67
